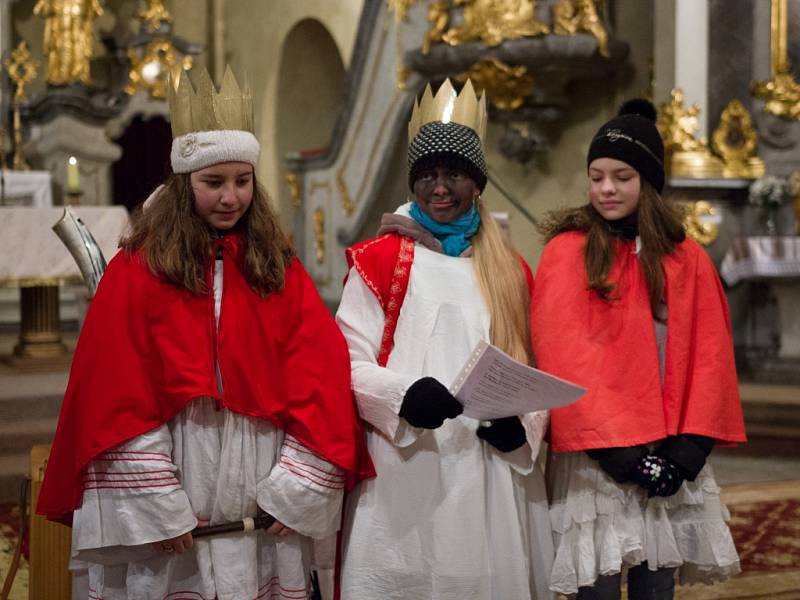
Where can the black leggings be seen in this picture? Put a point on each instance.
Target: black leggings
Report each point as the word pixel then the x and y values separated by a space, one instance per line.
pixel 643 584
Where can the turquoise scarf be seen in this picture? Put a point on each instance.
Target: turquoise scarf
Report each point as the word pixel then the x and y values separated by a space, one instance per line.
pixel 454 236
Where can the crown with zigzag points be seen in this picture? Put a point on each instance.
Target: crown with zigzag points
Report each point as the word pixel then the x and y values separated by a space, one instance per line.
pixel 447 106
pixel 201 107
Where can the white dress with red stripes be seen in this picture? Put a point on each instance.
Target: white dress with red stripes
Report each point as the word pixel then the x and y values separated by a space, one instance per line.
pixel 205 464
pixel 449 517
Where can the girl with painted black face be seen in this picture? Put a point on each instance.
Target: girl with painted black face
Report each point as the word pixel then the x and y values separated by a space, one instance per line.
pixel 458 509
pixel 628 307
pixel 210 382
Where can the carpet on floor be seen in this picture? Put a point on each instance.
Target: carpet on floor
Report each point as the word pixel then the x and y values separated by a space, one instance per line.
pixel 765 522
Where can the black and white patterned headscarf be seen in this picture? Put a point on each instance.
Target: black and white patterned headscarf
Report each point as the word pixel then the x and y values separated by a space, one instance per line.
pixel 446 144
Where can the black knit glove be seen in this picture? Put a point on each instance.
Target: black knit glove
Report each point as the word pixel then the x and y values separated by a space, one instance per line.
pixel 505 434
pixel 688 452
pixel 657 475
pixel 619 462
pixel 428 403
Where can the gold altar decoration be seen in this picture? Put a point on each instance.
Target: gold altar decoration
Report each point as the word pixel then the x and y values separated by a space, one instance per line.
pixel 155 14
pixel 293 181
pixel 152 69
pixel 684 154
pixel 319 234
pixel 700 221
pixel 21 69
pixel 68 38
pixel 506 87
pixel 400 8
pixel 348 207
pixel 495 21
pixel 439 18
pixel 781 93
pixel 735 141
pixel 573 16
pixel 447 106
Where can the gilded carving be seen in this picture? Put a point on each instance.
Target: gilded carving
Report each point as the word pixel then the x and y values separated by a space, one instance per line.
pixel 573 16
pixel 150 71
pixel 68 38
pixel 494 21
pixel 347 203
pixel 684 154
pixel 701 222
pixel 293 180
pixel 400 8
pixel 155 14
pixel 21 69
pixel 506 87
pixel 319 234
pixel 735 141
pixel 439 18
pixel 781 94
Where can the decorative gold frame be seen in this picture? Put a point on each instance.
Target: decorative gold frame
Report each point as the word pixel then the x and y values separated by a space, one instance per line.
pixel 781 93
pixel 735 140
pixel 699 221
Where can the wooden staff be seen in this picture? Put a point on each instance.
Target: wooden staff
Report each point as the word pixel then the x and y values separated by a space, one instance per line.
pixel 260 521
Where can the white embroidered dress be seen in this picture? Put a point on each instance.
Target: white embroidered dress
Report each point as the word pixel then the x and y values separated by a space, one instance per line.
pixel 212 464
pixel 449 517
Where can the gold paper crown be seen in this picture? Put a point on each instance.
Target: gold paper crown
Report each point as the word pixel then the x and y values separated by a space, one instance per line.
pixel 202 108
pixel 465 109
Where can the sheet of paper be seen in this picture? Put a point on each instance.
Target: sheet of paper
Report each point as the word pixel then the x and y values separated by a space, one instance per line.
pixel 492 385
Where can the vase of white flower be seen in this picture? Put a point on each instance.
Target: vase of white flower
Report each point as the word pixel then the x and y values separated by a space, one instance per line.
pixel 769 193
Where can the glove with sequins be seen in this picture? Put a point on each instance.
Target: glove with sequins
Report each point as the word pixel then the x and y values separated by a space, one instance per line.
pixel 657 475
pixel 428 403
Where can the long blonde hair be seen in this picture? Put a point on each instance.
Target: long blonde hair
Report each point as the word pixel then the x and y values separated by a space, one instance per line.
pixel 504 287
pixel 177 243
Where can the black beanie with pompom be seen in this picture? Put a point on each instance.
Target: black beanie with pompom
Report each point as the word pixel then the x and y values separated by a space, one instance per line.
pixel 632 137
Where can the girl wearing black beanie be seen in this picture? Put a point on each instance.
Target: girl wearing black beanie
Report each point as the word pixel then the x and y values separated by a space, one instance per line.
pixel 627 307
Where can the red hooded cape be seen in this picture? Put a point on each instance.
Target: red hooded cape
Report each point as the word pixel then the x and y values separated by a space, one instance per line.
pixel 148 347
pixel 609 347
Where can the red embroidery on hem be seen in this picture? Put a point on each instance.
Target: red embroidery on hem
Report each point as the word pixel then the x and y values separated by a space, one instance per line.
pixel 334 478
pixel 307 478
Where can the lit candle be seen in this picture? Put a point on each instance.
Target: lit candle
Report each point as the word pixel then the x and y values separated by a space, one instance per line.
pixel 73 175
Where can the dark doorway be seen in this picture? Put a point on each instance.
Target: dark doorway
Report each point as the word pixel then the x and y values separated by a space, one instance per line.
pixel 144 163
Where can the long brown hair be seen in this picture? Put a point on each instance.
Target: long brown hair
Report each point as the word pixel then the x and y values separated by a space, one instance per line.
pixel 504 287
pixel 660 229
pixel 177 243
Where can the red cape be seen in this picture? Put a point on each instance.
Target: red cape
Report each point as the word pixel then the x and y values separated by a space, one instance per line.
pixel 610 348
pixel 148 347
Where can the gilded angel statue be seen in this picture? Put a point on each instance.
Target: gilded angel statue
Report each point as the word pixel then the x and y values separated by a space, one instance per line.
pixel 68 38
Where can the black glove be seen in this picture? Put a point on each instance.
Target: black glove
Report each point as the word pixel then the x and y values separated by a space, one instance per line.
pixel 505 434
pixel 619 462
pixel 428 403
pixel 657 475
pixel 688 452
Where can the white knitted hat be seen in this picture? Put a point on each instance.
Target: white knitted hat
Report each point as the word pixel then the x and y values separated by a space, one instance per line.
pixel 210 126
pixel 201 149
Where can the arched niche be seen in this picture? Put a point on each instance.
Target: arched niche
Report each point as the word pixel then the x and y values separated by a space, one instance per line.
pixel 311 84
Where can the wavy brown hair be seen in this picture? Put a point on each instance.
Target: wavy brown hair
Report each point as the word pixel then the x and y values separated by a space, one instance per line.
pixel 177 243
pixel 660 229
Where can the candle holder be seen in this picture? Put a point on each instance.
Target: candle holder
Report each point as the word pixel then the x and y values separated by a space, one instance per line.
pixel 73 197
